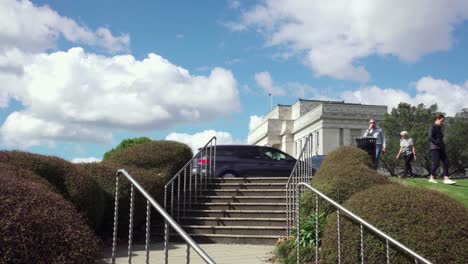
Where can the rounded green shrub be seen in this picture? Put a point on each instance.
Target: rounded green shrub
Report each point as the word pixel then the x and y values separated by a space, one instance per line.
pixel 428 222
pixel 39 226
pixel 344 172
pixel 105 176
pixel 125 144
pixel 164 157
pixel 72 184
pixel 346 156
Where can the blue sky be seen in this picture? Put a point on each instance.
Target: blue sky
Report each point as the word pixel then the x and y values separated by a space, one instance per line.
pixel 77 77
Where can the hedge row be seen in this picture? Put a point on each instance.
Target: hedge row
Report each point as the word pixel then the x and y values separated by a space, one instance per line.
pixel 344 172
pixel 152 164
pixel 39 226
pixel 428 222
pixel 72 184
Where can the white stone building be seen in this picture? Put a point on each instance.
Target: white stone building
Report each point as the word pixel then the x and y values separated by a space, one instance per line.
pixel 332 124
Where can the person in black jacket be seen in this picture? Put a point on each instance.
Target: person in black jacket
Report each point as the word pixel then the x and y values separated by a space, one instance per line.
pixel 437 148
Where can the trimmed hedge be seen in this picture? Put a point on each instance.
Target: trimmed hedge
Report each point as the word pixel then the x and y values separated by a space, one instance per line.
pixel 104 174
pixel 72 184
pixel 428 222
pixel 344 172
pixel 39 226
pixel 163 156
pixel 12 171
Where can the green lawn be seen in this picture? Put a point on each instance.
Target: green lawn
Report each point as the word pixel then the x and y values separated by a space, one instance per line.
pixel 459 191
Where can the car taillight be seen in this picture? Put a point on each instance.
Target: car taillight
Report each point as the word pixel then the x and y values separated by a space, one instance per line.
pixel 203 161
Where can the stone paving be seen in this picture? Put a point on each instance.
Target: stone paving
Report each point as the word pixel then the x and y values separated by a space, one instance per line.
pixel 220 253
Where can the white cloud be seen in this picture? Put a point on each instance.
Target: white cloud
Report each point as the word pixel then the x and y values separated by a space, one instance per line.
pixel 64 91
pixel 265 81
pixel 332 35
pixel 254 121
pixel 449 97
pixel 198 140
pixel 32 28
pixel 234 4
pixel 85 160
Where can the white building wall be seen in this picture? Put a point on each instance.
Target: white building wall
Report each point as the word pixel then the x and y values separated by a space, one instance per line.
pixel 330 139
pixel 331 123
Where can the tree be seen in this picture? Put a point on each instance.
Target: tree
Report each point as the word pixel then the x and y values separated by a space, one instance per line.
pixel 125 144
pixel 416 120
pixel 456 140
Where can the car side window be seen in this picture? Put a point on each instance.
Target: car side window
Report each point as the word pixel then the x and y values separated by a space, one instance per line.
pixel 249 153
pixel 275 155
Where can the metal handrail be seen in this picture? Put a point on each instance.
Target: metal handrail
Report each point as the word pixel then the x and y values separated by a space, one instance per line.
pixel 186 188
pixel 164 214
pixel 188 163
pixel 302 172
pixel 361 222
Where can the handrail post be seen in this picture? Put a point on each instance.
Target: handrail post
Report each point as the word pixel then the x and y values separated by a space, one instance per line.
pixel 168 221
pixel 116 216
pixel 341 209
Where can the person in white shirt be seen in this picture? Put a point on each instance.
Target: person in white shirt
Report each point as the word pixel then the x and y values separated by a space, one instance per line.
pixel 407 152
pixel 378 133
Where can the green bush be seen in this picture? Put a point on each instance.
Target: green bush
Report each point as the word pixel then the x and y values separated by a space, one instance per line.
pixel 39 226
pixel 166 158
pixel 347 156
pixel 286 252
pixel 73 185
pixel 428 222
pixel 105 174
pixel 344 172
pixel 125 144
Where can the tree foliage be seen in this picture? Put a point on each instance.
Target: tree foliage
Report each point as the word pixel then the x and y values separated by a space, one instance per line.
pixel 125 144
pixel 417 121
pixel 457 144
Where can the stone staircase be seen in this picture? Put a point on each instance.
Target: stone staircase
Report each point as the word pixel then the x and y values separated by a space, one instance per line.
pixel 239 210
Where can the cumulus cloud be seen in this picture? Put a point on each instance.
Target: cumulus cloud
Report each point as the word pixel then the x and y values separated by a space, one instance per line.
pixel 265 81
pixel 65 91
pixel 33 28
pixel 198 140
pixel 332 35
pixel 254 121
pixel 85 160
pixel 449 97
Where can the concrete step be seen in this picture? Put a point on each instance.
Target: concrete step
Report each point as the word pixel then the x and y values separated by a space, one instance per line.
pixel 237 213
pixel 233 221
pixel 252 180
pixel 232 239
pixel 248 185
pixel 239 206
pixel 243 199
pixel 236 230
pixel 244 192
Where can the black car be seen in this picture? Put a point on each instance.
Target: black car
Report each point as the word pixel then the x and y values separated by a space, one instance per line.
pixel 249 160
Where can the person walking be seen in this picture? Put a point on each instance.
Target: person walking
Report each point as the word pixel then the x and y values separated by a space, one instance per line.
pixel 378 133
pixel 437 148
pixel 407 152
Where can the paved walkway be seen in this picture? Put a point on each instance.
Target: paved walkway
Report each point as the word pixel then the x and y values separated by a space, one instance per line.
pixel 220 253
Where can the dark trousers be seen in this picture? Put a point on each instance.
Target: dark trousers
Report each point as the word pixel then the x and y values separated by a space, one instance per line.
pixel 438 155
pixel 408 158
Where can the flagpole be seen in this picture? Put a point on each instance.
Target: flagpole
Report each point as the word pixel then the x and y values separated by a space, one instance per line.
pixel 271 101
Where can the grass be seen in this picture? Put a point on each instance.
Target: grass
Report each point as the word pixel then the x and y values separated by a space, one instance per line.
pixel 458 192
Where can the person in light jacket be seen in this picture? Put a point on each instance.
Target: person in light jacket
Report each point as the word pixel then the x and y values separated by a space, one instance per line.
pixel 437 148
pixel 378 133
pixel 407 152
